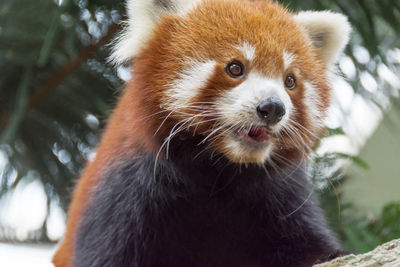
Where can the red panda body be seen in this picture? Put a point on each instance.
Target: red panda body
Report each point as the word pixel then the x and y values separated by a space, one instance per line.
pixel 203 161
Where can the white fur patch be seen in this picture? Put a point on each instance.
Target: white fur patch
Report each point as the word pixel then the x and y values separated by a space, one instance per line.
pixel 240 153
pixel 143 15
pixel 312 100
pixel 240 103
pixel 248 50
pixel 327 31
pixel 187 86
pixel 238 107
pixel 288 59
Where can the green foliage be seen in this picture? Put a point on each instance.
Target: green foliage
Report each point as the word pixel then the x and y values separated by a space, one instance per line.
pixel 359 232
pixel 46 102
pixel 333 131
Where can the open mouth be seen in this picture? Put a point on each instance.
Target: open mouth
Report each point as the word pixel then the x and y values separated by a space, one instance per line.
pixel 254 135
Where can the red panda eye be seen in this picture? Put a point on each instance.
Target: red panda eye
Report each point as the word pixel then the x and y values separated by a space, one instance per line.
pixel 235 69
pixel 290 82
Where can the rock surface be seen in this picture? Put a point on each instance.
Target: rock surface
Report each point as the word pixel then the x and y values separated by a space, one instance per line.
pixel 387 254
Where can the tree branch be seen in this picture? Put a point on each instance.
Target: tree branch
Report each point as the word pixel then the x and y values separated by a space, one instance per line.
pixel 47 87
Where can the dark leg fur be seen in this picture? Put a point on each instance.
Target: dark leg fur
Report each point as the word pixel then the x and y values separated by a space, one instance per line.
pixel 198 213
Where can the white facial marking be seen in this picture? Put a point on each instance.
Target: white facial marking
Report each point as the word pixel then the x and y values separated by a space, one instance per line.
pixel 240 103
pixel 240 152
pixel 238 107
pixel 187 86
pixel 313 103
pixel 248 51
pixel 288 59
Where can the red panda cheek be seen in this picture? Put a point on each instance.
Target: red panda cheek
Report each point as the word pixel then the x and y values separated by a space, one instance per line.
pixel 182 92
pixel 218 83
pixel 310 111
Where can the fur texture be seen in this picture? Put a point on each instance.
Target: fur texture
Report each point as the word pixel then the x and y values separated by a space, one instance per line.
pixel 188 173
pixel 328 31
pixel 143 16
pixel 194 214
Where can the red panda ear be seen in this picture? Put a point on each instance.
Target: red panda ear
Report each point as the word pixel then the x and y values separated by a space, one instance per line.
pixel 143 15
pixel 328 32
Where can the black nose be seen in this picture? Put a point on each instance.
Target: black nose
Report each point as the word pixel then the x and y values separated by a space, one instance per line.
pixel 271 110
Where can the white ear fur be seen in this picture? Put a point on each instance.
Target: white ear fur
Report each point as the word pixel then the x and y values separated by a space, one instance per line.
pixel 142 17
pixel 329 32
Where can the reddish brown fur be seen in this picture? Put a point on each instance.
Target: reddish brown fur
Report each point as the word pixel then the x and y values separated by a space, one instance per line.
pixel 202 33
pixel 121 137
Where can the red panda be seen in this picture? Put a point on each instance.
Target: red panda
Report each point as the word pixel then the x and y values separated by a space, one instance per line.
pixel 203 160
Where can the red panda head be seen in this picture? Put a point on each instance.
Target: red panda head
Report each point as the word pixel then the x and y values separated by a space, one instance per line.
pixel 249 77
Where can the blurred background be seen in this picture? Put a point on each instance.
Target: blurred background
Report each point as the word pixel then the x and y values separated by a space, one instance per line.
pixel 57 90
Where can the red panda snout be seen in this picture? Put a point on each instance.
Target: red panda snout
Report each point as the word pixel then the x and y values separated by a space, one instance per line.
pixel 271 110
pixel 254 114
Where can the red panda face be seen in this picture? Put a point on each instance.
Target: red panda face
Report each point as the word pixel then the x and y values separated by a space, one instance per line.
pixel 245 76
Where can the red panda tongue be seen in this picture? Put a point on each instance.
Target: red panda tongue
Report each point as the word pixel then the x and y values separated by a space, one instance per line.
pixel 258 134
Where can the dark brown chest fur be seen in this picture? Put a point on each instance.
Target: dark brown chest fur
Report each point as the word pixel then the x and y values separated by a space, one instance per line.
pixel 198 212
